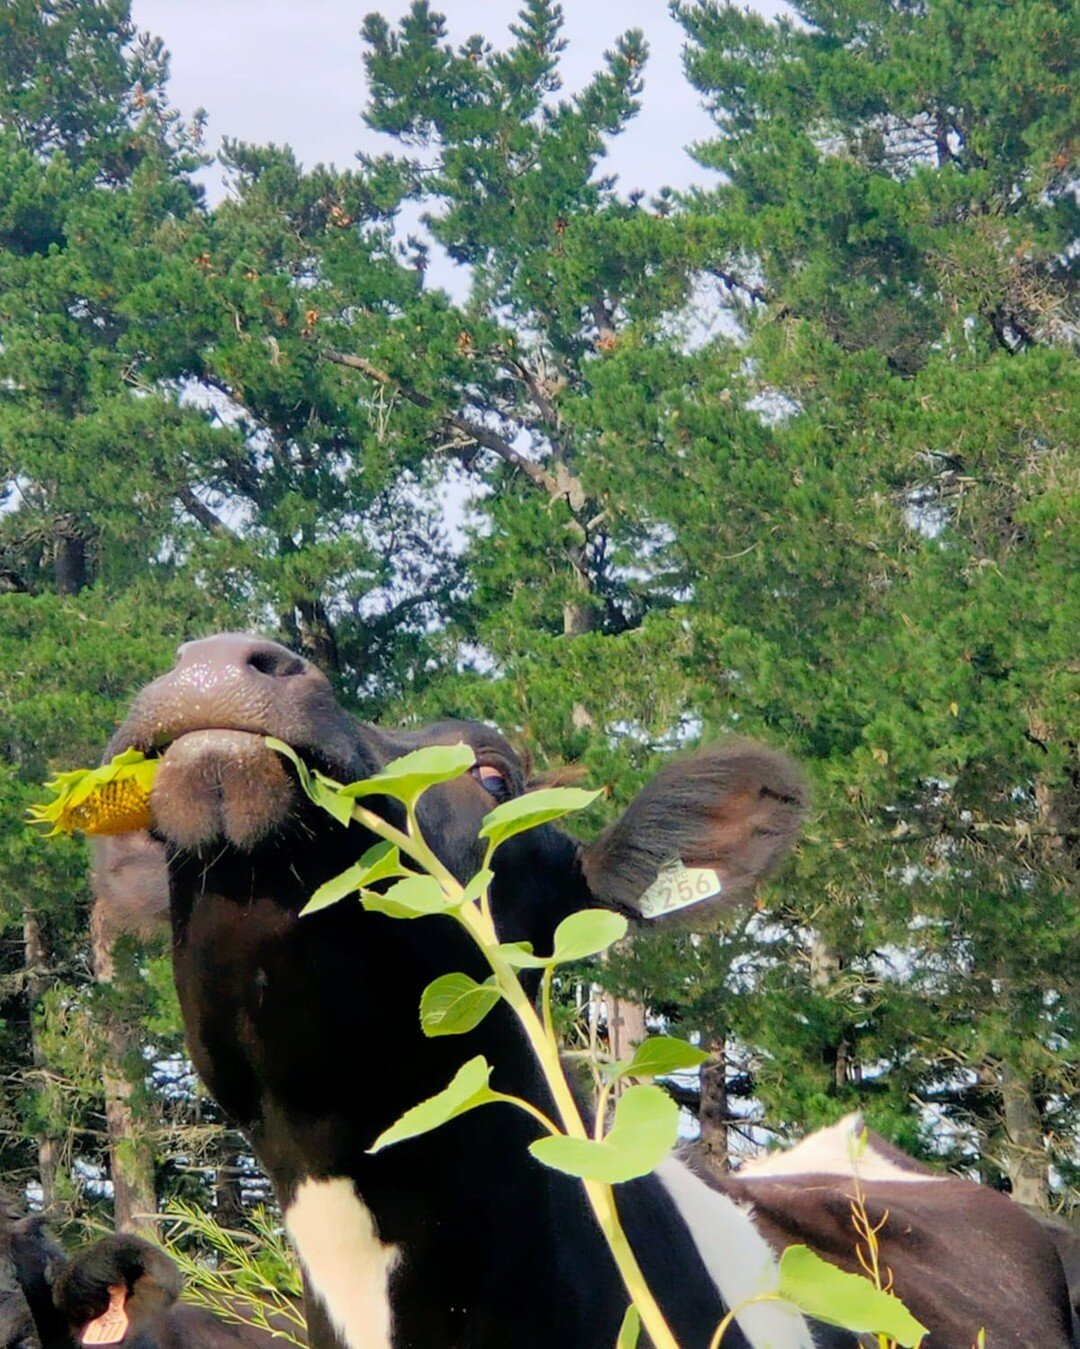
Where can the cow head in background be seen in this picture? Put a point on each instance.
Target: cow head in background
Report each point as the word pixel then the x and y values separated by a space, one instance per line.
pixel 120 1291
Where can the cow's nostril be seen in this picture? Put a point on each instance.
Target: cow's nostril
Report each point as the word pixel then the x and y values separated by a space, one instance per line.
pixel 278 663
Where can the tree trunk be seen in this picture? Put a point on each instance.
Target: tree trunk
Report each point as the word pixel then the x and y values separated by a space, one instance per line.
pixel 713 1145
pixel 69 557
pixel 825 964
pixel 37 981
pixel 1025 1150
pixel 626 1022
pixel 626 1026
pixel 316 636
pixel 131 1158
pixel 578 618
pixel 228 1197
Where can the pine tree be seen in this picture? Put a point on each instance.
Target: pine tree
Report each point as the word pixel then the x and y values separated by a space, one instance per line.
pixel 886 577
pixel 176 458
pixel 843 518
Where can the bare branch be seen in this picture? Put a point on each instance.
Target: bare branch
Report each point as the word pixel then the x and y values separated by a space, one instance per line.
pixel 201 512
pixel 474 431
pixel 732 282
pixel 537 392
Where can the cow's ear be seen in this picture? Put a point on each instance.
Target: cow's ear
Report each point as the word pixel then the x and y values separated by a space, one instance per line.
pixel 699 835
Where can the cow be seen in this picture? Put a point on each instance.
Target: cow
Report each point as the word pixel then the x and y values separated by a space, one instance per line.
pixel 120 1290
pixel 125 1291
pixel 29 1260
pixel 306 1030
pixel 963 1257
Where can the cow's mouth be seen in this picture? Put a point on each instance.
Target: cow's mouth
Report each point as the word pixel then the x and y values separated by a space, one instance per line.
pixel 219 785
pixel 206 720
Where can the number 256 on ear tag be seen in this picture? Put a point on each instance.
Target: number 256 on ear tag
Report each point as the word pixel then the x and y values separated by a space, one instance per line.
pixel 677 887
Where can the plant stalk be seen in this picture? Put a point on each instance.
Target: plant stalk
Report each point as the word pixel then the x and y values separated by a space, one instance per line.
pixel 477 921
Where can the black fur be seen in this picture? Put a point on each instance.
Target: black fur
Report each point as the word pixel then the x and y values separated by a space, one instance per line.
pixel 151 1278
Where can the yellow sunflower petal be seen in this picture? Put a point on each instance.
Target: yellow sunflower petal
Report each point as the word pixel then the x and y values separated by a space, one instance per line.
pixel 113 799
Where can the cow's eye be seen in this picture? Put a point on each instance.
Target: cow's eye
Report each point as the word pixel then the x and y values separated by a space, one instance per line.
pixel 492 780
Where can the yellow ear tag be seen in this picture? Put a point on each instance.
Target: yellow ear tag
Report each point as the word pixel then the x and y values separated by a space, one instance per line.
pixel 677 887
pixel 113 799
pixel 112 1325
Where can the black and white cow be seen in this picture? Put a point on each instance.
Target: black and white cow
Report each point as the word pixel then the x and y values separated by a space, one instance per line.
pixel 306 1030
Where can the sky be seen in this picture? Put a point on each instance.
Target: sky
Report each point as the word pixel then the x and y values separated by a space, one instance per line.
pixel 292 73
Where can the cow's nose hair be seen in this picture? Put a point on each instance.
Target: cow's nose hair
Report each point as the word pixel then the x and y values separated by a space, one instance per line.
pixel 235 655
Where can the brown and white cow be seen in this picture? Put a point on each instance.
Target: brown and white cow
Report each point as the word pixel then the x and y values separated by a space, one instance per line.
pixel 306 1030
pixel 961 1256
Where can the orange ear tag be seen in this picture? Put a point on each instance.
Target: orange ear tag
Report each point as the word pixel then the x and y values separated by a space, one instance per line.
pixel 112 1325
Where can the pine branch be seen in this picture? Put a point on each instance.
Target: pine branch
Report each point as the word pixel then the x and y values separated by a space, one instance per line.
pixel 392 619
pixel 201 512
pixel 732 282
pixel 742 1085
pixel 537 392
pixel 474 431
pixel 974 828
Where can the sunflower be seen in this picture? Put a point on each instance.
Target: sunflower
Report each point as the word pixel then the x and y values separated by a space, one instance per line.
pixel 112 799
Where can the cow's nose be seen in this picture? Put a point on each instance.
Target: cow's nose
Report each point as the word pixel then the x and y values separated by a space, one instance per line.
pixel 237 682
pixel 236 657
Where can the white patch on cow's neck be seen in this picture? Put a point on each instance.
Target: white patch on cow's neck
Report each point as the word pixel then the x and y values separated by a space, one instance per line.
pixel 836 1151
pixel 739 1259
pixel 347 1265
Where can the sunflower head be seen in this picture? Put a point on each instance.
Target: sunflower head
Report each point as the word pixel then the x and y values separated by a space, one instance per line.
pixel 113 799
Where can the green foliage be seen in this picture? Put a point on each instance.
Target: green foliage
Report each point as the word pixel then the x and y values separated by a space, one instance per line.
pixel 406 778
pixel 529 811
pixel 658 1056
pixel 642 1133
pixel 467 1090
pixel 380 862
pixel 841 1299
pixel 246 1278
pixel 587 933
pixel 630 1329
pixel 455 1003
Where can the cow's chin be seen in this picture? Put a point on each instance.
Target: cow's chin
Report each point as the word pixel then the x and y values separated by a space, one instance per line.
pixel 220 787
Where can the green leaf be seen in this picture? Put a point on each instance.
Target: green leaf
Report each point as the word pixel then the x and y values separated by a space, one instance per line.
pixel 657 1055
pixel 646 1123
pixel 323 791
pixel 584 1158
pixel 337 887
pixel 530 810
pixel 587 934
pixel 414 897
pixel 378 863
pixel 851 1301
pixel 478 885
pixel 468 1089
pixel 454 1004
pixel 643 1133
pixel 406 778
pixel 629 1330
pixel 519 956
